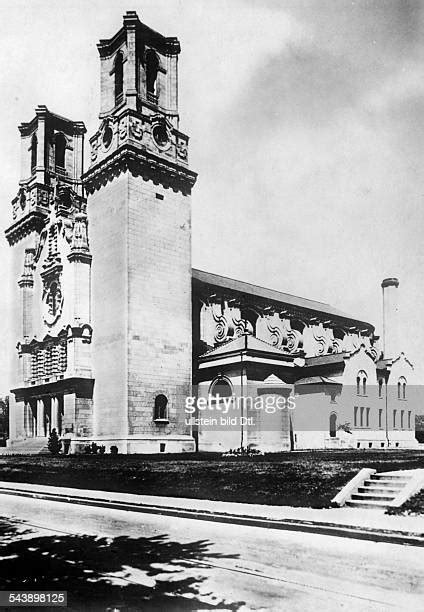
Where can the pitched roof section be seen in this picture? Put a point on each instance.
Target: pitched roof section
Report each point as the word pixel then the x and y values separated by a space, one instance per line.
pixel 317 380
pixel 271 294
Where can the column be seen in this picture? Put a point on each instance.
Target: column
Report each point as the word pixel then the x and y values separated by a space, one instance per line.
pixel 33 416
pixel 41 112
pixel 130 67
pixel 40 418
pixel 55 413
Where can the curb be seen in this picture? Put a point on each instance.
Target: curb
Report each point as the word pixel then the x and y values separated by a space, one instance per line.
pixel 321 528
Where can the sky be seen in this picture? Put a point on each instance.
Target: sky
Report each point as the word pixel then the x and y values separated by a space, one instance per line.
pixel 306 126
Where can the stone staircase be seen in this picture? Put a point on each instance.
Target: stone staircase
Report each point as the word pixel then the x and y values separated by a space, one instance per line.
pixel 383 490
pixel 29 446
pixel 378 491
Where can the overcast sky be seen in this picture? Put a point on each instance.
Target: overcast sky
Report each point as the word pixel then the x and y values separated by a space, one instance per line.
pixel 306 125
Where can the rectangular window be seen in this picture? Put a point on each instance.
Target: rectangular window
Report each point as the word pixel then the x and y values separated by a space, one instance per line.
pixel 380 418
pixel 401 418
pixel 394 419
pixel 368 417
pixel 355 416
pixel 409 420
pixel 361 422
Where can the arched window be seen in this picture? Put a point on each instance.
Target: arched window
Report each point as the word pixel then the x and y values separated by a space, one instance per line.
pixel 333 425
pixel 34 143
pixel 380 387
pixel 401 388
pixel 59 150
pixel 361 383
pixel 152 67
pixel 119 77
pixel 161 408
pixel 221 388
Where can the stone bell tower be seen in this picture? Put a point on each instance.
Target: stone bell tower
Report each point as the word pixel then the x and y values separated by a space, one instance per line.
pixel 139 187
pixel 51 284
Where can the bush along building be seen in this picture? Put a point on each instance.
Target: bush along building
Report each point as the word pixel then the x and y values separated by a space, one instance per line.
pixel 115 330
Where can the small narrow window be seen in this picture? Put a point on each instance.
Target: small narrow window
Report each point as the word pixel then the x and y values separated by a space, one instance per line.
pixel 409 420
pixel 161 408
pixel 59 151
pixel 119 78
pixel 401 418
pixel 152 67
pixel 399 390
pixel 361 383
pixel 333 425
pixel 361 422
pixel 355 416
pixel 394 419
pixel 367 422
pixel 380 418
pixel 380 387
pixel 34 143
pixel 404 390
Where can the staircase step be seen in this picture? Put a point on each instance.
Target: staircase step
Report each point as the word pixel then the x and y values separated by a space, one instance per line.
pixel 359 503
pixel 372 496
pixel 384 484
pixel 391 483
pixel 384 490
pixel 388 477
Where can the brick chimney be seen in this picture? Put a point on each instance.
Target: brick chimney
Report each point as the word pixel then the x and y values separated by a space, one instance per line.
pixel 390 318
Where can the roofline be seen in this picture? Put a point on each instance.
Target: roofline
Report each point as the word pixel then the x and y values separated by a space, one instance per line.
pixel 131 21
pixel 280 298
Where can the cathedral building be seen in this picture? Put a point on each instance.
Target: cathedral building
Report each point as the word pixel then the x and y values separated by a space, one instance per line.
pixel 115 331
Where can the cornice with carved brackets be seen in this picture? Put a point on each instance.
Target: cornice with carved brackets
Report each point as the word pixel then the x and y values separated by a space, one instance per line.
pixel 32 222
pixel 140 163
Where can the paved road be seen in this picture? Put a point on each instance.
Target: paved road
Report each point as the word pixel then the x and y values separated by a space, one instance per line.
pixel 204 564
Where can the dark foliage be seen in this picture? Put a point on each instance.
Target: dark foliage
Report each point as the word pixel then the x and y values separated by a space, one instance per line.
pixel 54 444
pixel 84 566
pixel 296 479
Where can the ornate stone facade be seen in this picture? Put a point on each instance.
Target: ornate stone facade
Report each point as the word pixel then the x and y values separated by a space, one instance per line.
pixel 115 330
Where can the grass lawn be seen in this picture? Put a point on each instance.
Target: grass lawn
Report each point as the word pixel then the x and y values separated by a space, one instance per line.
pixel 297 479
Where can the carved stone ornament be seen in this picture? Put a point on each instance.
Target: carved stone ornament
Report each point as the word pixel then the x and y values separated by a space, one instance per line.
pixel 182 149
pixel 136 128
pixel 123 128
pixel 95 149
pixel 52 301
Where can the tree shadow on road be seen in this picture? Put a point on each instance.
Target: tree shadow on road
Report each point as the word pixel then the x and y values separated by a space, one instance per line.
pixel 128 574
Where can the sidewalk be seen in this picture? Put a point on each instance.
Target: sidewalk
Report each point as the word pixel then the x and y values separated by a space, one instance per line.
pixel 346 522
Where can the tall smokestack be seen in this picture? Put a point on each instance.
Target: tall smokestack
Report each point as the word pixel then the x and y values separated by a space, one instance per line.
pixel 390 318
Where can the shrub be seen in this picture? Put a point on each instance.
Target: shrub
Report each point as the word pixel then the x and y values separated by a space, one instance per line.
pixel 102 449
pixel 113 450
pixel 94 448
pixel 54 444
pixel 87 449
